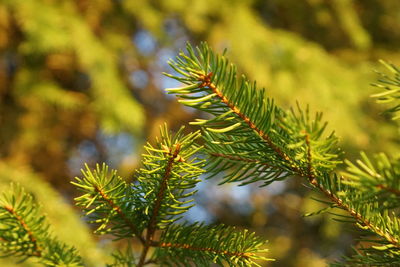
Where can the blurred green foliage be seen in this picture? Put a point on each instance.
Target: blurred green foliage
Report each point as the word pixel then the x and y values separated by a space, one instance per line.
pixel 73 70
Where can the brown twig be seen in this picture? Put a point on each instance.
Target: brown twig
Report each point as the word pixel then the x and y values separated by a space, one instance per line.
pixel 160 195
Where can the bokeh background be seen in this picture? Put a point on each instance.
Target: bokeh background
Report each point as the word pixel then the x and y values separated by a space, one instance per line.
pixel 81 81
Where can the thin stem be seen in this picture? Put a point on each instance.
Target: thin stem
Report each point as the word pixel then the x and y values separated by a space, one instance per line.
pixel 160 195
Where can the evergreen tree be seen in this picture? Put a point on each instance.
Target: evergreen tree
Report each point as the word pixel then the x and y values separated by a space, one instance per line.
pixel 247 138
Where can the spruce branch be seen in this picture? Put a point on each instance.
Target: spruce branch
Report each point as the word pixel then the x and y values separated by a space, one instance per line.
pixel 377 179
pixel 107 201
pixel 247 123
pixel 17 219
pixel 199 245
pixel 169 172
pixel 148 207
pixel 247 128
pixel 390 86
pixel 366 215
pixel 370 257
pixel 159 198
pixel 170 185
pixel 25 233
pixel 162 190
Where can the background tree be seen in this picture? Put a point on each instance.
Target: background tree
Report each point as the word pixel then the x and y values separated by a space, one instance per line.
pixel 79 81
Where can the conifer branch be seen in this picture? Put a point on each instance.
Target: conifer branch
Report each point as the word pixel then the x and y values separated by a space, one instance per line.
pixel 238 158
pixel 340 203
pixel 118 209
pixel 206 82
pixel 376 178
pixel 153 219
pixel 390 86
pixel 206 249
pixel 24 232
pixel 247 117
pixel 356 215
pixel 206 243
pixel 160 195
pixel 292 142
pixel 107 201
pixel 310 176
pixel 37 251
pixel 167 185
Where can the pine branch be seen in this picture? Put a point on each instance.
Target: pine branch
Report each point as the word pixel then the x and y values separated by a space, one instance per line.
pixel 367 215
pixel 199 245
pixel 160 195
pixel 24 232
pixel 109 202
pixel 232 156
pixel 252 128
pixel 289 139
pixel 391 89
pixel 168 183
pixel 247 123
pixel 170 171
pixel 378 179
pixel 36 250
pixel 370 257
